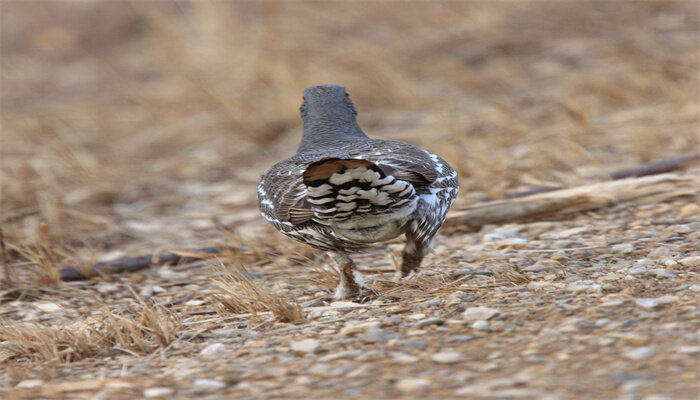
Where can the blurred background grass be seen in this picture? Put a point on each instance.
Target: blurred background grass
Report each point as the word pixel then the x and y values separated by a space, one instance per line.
pixel 150 122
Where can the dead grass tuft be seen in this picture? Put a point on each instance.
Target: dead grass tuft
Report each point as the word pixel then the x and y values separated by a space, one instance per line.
pixel 510 274
pixel 238 294
pixel 140 332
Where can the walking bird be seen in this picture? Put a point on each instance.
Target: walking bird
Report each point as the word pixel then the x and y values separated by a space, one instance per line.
pixel 343 191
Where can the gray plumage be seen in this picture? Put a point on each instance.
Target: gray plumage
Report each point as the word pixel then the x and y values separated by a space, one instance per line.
pixel 343 191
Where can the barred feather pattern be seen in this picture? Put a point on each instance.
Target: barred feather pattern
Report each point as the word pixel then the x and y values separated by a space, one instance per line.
pixel 283 187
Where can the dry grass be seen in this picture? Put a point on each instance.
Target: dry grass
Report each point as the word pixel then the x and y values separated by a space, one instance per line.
pixel 238 294
pixel 137 332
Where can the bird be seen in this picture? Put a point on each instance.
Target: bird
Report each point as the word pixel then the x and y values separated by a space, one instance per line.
pixel 343 192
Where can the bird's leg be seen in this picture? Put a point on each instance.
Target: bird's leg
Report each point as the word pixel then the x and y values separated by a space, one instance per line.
pixel 413 254
pixel 351 281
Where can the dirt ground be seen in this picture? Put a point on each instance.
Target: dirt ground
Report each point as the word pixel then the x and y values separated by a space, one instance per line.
pixel 130 128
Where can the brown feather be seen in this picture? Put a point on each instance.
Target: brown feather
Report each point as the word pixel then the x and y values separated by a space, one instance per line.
pixel 326 167
pixel 298 216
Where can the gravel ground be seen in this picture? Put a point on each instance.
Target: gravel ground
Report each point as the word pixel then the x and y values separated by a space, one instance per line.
pixel 602 305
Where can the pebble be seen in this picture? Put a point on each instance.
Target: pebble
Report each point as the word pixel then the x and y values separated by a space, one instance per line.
pixel 378 336
pixel 639 354
pixel 208 385
pixel 306 346
pixel 481 325
pixel 447 357
pixel 158 392
pixel 695 288
pixel 622 248
pixel 690 209
pixel 692 350
pixel 584 287
pixel 403 358
pixel 569 232
pixel 214 349
pixel 690 261
pixel 48 307
pixel 536 268
pixel 660 252
pixel 637 271
pixel 499 236
pixel 667 299
pixel 353 329
pixel 413 384
pixel 429 322
pixel 314 303
pixel 480 313
pixel 150 290
pixel 30 384
pixel 535 285
pixel 649 304
pixel 663 273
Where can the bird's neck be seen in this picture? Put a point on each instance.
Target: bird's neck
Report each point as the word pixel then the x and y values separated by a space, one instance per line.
pixel 321 133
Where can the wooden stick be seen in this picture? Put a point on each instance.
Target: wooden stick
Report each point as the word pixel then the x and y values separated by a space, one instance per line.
pixel 647 189
pixel 659 167
pixel 130 264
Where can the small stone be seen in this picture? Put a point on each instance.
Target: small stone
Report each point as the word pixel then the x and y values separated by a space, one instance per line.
pixel 314 303
pixel 536 268
pixel 48 307
pixel 499 236
pixel 403 358
pixel 107 288
pixel 306 346
pixel 30 384
pixel 195 303
pixel 637 271
pixel 150 290
pixel 323 369
pixel 639 354
pixel 480 313
pixel 413 384
pixel 663 273
pixel 417 316
pixel 692 350
pixel 345 304
pixel 214 349
pixel 667 299
pixel 622 248
pixel 462 338
pixel 378 336
pixel 353 329
pixel 429 322
pixel 695 288
pixel 208 385
pixel 649 304
pixel 660 252
pixel 637 340
pixel 584 287
pixel 690 209
pixel 158 392
pixel 690 261
pixel 569 233
pixel 481 325
pixel 535 285
pixel 431 303
pixel 448 357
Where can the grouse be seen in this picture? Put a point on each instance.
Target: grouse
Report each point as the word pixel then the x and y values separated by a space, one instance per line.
pixel 343 191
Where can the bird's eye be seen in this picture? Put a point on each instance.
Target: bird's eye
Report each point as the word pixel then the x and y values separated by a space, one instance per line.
pixel 347 94
pixel 303 98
